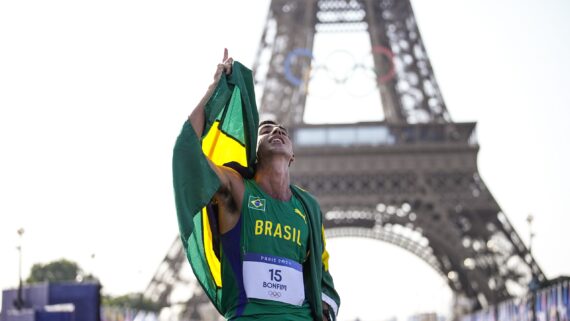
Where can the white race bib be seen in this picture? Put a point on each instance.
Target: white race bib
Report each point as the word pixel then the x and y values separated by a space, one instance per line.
pixel 273 278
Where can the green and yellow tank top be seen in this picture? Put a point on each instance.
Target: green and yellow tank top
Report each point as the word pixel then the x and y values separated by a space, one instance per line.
pixel 262 261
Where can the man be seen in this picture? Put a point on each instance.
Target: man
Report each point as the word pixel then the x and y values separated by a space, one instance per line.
pixel 257 247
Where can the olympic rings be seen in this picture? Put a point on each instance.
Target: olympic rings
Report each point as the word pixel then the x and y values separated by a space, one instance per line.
pixel 274 294
pixel 342 78
pixel 390 55
pixel 302 52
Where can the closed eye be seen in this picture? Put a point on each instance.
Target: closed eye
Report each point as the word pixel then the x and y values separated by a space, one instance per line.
pixel 269 128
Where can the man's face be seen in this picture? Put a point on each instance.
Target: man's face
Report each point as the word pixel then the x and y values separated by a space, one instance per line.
pixel 274 138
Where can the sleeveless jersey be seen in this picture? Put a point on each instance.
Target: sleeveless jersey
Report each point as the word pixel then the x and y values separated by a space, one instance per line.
pixel 262 261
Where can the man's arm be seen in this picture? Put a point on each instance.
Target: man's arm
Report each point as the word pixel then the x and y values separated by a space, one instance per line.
pixel 197 118
pixel 230 194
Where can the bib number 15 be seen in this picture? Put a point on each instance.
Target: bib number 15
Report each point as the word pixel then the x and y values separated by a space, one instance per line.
pixel 275 275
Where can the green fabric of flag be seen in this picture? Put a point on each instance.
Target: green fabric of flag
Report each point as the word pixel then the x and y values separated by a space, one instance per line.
pixel 230 135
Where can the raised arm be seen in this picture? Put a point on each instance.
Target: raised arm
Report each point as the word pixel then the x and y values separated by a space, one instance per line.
pixel 197 118
pixel 230 194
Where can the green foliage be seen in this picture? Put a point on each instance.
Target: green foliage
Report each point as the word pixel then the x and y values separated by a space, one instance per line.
pixel 56 271
pixel 65 271
pixel 133 301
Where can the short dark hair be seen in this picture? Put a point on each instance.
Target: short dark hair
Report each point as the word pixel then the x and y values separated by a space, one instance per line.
pixel 271 122
pixel 265 122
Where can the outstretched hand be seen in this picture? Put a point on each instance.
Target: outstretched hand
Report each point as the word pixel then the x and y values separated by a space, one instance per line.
pixel 224 67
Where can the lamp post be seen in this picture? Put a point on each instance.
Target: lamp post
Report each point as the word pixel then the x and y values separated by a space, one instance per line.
pixel 533 285
pixel 19 300
pixel 529 220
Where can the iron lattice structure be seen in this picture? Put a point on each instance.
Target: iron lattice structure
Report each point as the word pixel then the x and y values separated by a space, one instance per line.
pixel 411 180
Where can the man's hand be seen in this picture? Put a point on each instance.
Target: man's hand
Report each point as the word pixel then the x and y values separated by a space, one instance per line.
pixel 326 312
pixel 224 67
pixel 196 118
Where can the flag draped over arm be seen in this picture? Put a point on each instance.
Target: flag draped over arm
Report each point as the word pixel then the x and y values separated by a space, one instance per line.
pixel 320 286
pixel 229 137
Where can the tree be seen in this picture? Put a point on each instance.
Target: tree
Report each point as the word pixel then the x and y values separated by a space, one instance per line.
pixel 57 271
pixel 64 270
pixel 133 301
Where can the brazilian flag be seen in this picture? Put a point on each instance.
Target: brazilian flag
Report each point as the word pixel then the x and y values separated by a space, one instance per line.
pixel 230 139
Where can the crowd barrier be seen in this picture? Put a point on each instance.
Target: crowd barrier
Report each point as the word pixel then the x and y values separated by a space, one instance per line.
pixel 551 303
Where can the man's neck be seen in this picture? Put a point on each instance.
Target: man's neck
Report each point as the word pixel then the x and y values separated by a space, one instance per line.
pixel 273 178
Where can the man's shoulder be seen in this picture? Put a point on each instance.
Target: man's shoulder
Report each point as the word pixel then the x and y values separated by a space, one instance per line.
pixel 299 189
pixel 245 172
pixel 306 195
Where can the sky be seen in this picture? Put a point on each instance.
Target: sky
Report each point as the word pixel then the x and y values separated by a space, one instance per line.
pixel 93 95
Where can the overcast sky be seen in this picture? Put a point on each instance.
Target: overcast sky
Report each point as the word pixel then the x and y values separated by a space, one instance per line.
pixel 93 95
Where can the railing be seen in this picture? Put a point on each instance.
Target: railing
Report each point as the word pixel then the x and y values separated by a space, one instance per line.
pixel 549 304
pixel 382 134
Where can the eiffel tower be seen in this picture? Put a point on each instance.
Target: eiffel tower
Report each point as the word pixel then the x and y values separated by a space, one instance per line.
pixel 410 180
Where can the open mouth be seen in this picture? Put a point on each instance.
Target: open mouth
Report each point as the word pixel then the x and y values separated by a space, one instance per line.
pixel 276 139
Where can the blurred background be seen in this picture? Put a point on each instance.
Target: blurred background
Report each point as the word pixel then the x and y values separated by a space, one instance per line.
pixel 93 95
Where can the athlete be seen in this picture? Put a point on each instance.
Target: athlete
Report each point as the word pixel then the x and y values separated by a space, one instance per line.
pixel 266 226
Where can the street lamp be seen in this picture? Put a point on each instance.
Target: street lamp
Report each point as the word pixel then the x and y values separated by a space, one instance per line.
pixel 533 285
pixel 19 300
pixel 529 220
